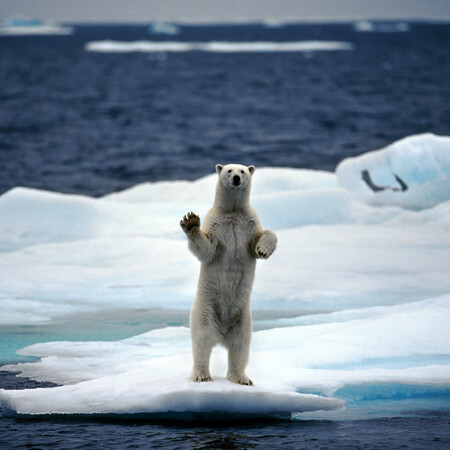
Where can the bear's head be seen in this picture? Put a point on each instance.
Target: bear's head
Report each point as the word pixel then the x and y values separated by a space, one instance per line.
pixel 235 176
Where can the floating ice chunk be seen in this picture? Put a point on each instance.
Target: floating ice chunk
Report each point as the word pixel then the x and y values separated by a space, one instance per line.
pixel 381 27
pixel 148 374
pixel 168 398
pixel 413 173
pixel 19 26
pixel 216 47
pixel 137 46
pixel 161 28
pixel 301 46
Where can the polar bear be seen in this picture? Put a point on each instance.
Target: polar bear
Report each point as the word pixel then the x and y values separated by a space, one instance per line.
pixel 227 245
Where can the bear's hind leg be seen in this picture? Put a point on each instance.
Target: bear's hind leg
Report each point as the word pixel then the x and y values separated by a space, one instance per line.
pixel 202 345
pixel 237 341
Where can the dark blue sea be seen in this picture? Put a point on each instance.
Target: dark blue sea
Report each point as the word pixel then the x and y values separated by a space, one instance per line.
pixel 92 123
pixel 89 122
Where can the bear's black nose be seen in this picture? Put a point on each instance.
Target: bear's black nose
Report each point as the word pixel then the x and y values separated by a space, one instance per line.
pixel 236 180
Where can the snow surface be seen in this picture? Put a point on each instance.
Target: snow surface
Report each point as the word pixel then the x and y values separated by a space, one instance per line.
pixel 365 290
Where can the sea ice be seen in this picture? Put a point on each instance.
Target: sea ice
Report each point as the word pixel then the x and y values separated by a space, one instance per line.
pixel 149 373
pixel 216 46
pixel 362 274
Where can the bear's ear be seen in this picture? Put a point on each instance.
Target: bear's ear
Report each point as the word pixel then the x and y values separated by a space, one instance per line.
pixel 219 168
pixel 251 169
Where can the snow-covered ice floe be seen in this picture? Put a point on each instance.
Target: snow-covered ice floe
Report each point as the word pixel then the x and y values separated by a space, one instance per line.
pixel 360 275
pixel 145 376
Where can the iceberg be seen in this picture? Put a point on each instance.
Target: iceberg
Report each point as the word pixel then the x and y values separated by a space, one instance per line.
pixel 412 173
pixel 353 306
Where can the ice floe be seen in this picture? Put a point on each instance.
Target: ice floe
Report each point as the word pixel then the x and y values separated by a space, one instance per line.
pixel 216 46
pixel 367 268
pixel 149 374
pixel 21 26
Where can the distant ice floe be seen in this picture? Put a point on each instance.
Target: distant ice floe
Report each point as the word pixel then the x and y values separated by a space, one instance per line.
pixel 365 26
pixel 362 272
pixel 275 23
pixel 216 46
pixel 22 27
pixel 162 28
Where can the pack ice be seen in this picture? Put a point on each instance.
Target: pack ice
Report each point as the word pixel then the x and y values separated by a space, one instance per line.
pixel 360 278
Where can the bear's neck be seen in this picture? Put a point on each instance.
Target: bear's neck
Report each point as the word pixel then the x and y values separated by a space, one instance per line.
pixel 230 200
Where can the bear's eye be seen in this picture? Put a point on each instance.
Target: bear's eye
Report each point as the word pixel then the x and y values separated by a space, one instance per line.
pixel 229 171
pixel 242 171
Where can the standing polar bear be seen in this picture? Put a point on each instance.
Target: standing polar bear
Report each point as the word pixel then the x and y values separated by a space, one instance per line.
pixel 227 245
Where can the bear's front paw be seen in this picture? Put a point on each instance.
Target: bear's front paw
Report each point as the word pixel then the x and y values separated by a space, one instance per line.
pixel 190 224
pixel 263 250
pixel 266 245
pixel 240 379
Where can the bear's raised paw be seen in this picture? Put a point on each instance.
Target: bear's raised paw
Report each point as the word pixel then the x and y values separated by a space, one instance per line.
pixel 190 224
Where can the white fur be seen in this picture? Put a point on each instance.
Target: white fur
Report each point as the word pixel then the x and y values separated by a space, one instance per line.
pixel 227 245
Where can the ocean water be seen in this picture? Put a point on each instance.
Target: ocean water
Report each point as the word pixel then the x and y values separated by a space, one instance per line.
pixel 95 290
pixel 92 123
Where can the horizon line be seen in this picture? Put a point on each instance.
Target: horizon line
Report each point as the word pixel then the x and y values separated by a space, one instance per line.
pixel 243 21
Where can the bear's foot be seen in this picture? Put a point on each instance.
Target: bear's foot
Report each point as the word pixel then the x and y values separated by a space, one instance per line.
pixel 199 377
pixel 240 379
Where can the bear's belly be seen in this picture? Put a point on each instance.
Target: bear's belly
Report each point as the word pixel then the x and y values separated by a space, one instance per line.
pixel 229 271
pixel 227 282
pixel 225 294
